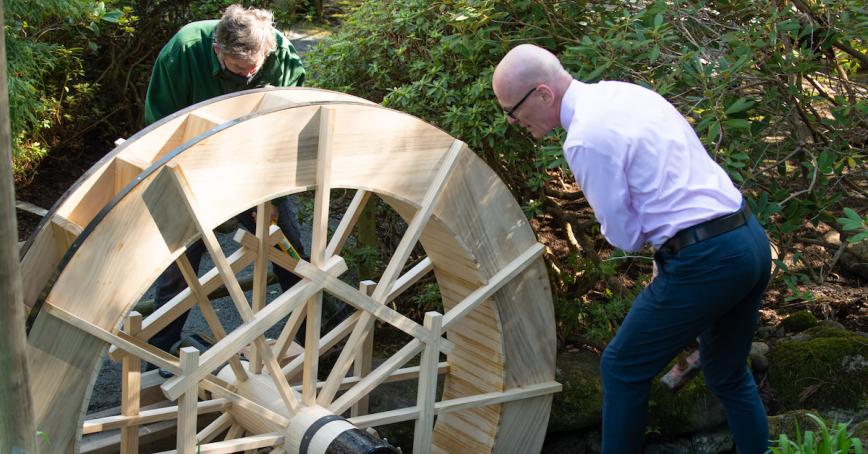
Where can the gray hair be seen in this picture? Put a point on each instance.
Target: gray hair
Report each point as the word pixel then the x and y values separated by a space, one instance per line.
pixel 246 33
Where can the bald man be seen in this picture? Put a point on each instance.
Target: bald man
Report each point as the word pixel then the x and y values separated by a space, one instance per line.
pixel 650 181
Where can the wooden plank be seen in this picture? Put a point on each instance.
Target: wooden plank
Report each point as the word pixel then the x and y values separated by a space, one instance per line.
pixel 235 431
pixel 239 444
pixel 208 313
pixel 130 388
pixel 260 271
pixel 125 342
pixel 218 426
pixel 458 404
pixel 348 221
pixel 317 254
pixel 199 122
pixel 427 393
pixel 127 169
pixel 376 377
pixel 420 219
pixel 150 416
pixel 290 329
pixel 409 278
pixel 187 404
pixel 363 360
pixel 30 208
pixel 496 282
pixel 65 232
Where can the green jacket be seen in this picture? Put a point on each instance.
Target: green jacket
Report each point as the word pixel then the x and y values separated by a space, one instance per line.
pixel 187 71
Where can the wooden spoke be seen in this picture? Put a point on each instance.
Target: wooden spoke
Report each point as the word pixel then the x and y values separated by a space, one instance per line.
pixel 377 376
pixel 216 427
pixel 495 283
pixel 457 404
pixel 354 211
pixel 317 253
pixel 409 278
pixel 239 444
pixel 187 408
pixel 363 361
pixel 427 386
pixel 207 310
pixel 131 377
pixel 122 340
pixel 235 431
pixel 150 416
pixel 260 270
pixel 420 220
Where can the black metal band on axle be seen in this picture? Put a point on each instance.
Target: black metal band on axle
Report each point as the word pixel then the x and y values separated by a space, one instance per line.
pixel 350 441
pixel 312 430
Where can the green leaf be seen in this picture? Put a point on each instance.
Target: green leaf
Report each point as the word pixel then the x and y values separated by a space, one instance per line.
pixel 655 53
pixel 658 20
pixel 113 16
pixel 713 130
pixel 740 105
pixel 737 123
pixel 858 238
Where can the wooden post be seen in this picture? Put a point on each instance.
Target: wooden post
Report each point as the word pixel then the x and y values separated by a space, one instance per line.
pixel 427 396
pixel 362 363
pixel 187 408
pixel 131 388
pixel 17 434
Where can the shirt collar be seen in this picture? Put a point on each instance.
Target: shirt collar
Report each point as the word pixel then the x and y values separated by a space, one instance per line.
pixel 569 102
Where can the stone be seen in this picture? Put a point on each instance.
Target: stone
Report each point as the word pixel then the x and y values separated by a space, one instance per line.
pixel 758 360
pixel 715 441
pixel 799 321
pixel 820 368
pixel 579 405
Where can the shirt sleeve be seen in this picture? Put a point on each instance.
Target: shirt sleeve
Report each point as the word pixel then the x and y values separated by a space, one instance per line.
pixel 169 88
pixel 600 169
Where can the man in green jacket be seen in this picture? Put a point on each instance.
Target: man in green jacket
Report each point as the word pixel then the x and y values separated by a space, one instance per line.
pixel 203 60
pixel 211 58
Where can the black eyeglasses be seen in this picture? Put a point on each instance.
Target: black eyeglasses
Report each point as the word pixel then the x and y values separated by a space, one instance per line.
pixel 509 112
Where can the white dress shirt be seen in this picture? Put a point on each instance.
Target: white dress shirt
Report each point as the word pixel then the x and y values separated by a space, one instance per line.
pixel 640 164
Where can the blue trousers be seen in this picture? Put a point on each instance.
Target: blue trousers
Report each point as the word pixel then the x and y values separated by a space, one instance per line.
pixel 171 282
pixel 711 290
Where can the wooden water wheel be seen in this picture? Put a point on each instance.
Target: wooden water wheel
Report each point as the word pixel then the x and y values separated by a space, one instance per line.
pixel 102 246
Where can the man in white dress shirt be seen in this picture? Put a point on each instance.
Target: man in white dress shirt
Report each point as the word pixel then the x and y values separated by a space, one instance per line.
pixel 650 181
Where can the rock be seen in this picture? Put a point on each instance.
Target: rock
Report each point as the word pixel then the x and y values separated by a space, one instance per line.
pixel 791 422
pixel 579 405
pixel 758 360
pixel 692 409
pixel 572 443
pixel 716 441
pixel 822 367
pixel 799 321
pixel 832 324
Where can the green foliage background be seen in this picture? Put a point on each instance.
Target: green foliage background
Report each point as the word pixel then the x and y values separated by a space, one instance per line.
pixel 769 86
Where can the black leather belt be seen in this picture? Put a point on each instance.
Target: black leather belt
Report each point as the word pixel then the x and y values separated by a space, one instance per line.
pixel 706 230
